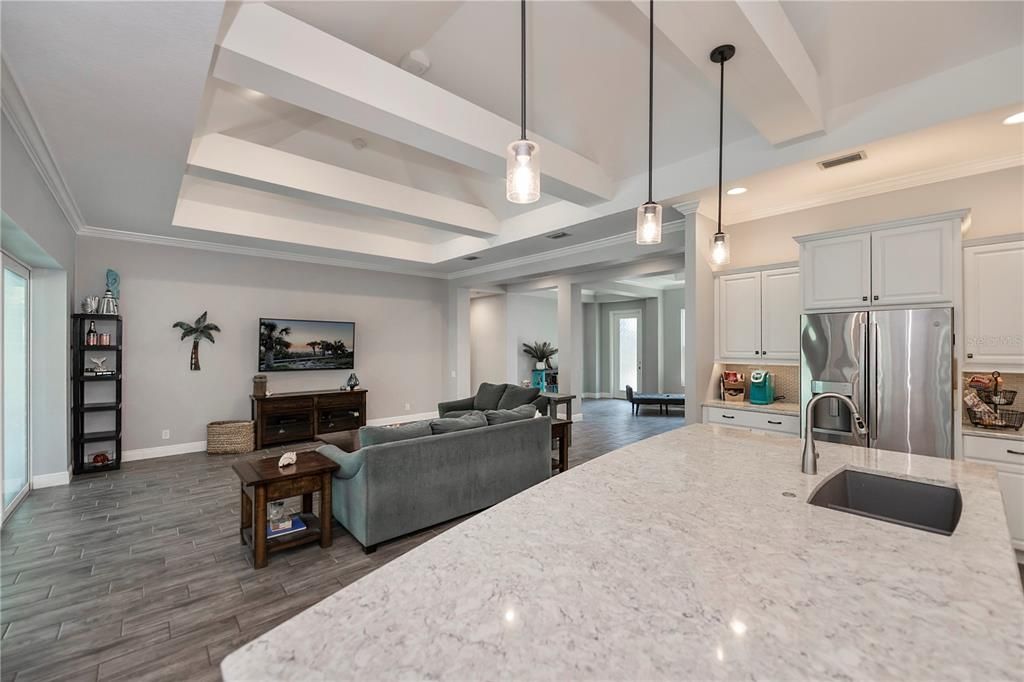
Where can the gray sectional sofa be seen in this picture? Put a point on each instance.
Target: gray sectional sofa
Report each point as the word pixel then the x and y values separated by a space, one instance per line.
pixel 403 479
pixel 495 397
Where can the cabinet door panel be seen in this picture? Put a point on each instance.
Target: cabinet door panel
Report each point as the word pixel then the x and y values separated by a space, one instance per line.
pixel 739 316
pixel 836 272
pixel 999 453
pixel 912 264
pixel 780 314
pixel 993 308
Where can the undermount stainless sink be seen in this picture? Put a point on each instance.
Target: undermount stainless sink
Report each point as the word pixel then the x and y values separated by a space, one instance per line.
pixel 925 506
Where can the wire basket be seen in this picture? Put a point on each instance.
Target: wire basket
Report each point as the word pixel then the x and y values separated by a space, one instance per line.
pixel 996 419
pixel 1004 397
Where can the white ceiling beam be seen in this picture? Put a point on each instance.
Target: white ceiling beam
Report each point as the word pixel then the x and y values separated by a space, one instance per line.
pixel 233 221
pixel 621 289
pixel 271 170
pixel 662 265
pixel 266 50
pixel 771 80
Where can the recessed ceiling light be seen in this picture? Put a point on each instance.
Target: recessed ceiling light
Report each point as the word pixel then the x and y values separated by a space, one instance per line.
pixel 471 258
pixel 737 190
pixel 1016 118
pixel 558 235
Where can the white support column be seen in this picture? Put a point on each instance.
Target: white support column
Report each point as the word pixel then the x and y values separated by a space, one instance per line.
pixel 570 341
pixel 661 342
pixel 458 344
pixel 700 314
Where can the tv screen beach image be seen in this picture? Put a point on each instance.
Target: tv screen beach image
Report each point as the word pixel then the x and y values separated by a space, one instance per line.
pixel 306 344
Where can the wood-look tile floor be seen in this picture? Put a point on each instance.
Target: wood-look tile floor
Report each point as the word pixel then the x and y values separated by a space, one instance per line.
pixel 138 574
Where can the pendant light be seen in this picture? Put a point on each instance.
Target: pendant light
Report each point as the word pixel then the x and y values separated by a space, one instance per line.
pixel 522 167
pixel 648 216
pixel 720 242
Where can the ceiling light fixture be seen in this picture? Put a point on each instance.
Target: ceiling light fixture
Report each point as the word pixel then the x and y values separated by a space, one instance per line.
pixel 522 168
pixel 720 242
pixel 648 216
pixel 1014 119
pixel 737 190
pixel 557 235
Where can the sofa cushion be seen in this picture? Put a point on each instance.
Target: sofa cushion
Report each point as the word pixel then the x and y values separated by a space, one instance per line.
pixel 459 413
pixel 488 396
pixel 513 415
pixel 515 396
pixel 350 462
pixel 473 420
pixel 376 435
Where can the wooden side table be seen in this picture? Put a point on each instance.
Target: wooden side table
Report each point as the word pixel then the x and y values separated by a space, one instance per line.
pixel 561 429
pixel 262 482
pixel 556 399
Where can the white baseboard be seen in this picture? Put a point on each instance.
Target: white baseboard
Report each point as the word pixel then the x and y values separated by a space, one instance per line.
pixel 51 480
pixel 163 451
pixel 401 419
pixel 578 417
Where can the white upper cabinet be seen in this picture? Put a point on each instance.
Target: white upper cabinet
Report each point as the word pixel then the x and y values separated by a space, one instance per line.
pixel 994 304
pixel 836 272
pixel 757 316
pixel 912 264
pixel 908 262
pixel 738 299
pixel 780 314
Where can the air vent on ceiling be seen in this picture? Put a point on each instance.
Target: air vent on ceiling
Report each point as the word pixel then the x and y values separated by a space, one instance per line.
pixel 842 160
pixel 558 235
pixel 471 258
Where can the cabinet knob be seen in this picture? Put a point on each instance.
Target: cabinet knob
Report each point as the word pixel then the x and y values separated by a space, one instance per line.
pixel 863 298
pixel 764 352
pixel 875 297
pixel 757 352
pixel 970 355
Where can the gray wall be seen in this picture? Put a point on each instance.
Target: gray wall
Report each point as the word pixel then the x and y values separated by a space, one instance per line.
pixel 530 318
pixel 487 341
pixel 673 301
pixel 37 232
pixel 591 347
pixel 400 333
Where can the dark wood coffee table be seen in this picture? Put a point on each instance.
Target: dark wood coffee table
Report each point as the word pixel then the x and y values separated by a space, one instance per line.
pixel 262 482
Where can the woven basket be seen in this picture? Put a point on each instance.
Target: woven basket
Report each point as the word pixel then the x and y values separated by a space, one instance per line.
pixel 229 437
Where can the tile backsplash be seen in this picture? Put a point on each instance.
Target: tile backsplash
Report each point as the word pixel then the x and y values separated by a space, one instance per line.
pixel 787 379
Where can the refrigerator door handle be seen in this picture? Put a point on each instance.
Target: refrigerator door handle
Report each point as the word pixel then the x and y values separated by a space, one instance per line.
pixel 873 387
pixel 865 387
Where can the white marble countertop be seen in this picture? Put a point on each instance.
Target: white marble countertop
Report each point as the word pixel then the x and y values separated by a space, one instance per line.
pixel 679 557
pixel 775 408
pixel 1005 434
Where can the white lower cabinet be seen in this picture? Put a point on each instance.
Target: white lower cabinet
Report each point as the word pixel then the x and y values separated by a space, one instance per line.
pixel 1007 456
pixel 784 423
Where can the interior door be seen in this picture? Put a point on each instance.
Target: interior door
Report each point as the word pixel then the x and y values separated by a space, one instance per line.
pixel 626 327
pixel 14 469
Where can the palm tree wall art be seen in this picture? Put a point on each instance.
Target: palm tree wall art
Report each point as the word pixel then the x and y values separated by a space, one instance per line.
pixel 198 331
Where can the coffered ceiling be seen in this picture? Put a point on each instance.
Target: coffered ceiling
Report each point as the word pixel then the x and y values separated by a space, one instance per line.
pixel 290 129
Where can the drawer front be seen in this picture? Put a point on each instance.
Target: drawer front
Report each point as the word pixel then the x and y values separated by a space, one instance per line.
pixel 276 405
pixel 292 487
pixel 782 423
pixel 285 427
pixel 352 400
pixel 1003 453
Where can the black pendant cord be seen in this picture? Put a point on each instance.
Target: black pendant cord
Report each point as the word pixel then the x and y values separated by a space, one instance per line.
pixel 721 128
pixel 522 19
pixel 650 114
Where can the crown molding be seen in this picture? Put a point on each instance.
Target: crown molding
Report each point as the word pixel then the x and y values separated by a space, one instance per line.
pixel 19 115
pixel 183 243
pixel 908 181
pixel 991 241
pixel 614 240
pixel 961 214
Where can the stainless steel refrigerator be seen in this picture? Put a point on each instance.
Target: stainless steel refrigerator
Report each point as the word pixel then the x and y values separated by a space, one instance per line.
pixel 896 366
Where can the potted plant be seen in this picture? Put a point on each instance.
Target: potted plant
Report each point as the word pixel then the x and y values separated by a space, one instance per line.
pixel 542 352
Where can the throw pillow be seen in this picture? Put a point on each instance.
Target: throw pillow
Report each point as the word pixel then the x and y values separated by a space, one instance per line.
pixel 472 420
pixel 488 396
pixel 377 435
pixel 350 462
pixel 459 413
pixel 513 415
pixel 515 396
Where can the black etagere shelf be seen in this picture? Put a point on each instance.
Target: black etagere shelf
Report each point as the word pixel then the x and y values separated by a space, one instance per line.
pixel 81 352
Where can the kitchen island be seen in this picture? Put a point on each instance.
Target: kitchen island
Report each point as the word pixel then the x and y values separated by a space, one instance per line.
pixel 689 555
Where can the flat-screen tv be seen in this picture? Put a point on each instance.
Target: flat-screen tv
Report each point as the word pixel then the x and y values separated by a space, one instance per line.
pixel 287 345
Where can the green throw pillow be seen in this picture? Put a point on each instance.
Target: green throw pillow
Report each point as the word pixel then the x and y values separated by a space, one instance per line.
pixel 513 415
pixel 377 435
pixel 515 396
pixel 488 396
pixel 473 420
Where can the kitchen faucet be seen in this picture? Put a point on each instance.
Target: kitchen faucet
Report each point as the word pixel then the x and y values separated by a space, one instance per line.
pixel 810 461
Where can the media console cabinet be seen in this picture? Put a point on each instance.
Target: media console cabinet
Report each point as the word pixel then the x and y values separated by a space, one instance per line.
pixel 304 415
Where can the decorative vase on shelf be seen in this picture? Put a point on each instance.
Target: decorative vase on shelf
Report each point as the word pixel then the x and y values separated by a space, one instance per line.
pixel 540 365
pixel 353 382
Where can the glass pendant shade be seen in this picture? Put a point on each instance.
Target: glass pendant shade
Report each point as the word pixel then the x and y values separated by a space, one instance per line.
pixel 648 224
pixel 720 249
pixel 522 172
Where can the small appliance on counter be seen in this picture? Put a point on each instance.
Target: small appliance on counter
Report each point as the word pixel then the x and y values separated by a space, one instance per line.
pixel 762 387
